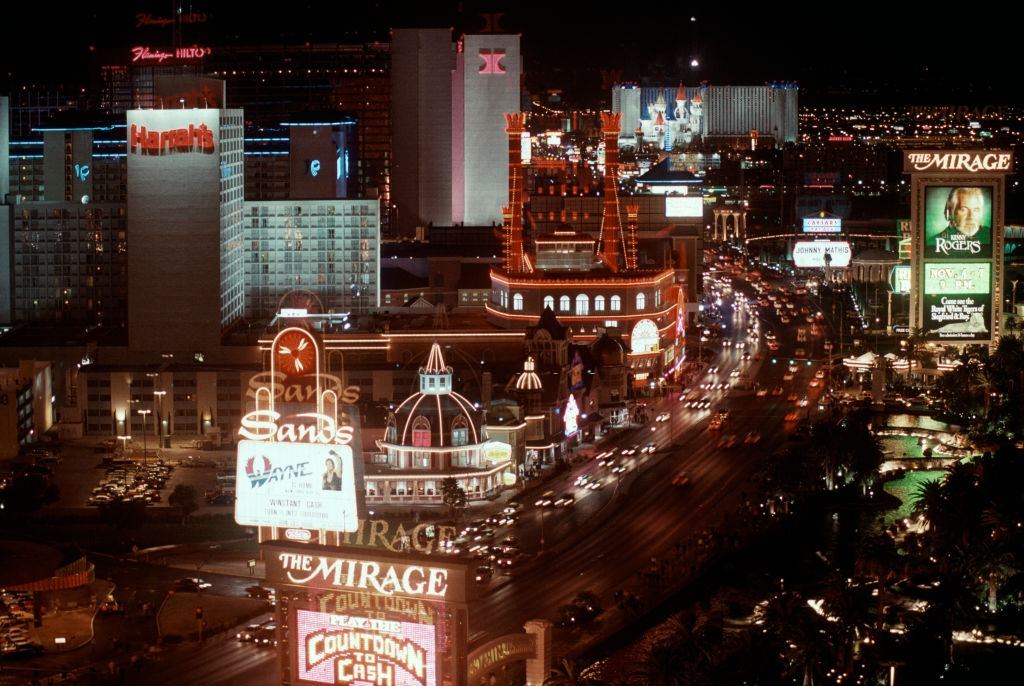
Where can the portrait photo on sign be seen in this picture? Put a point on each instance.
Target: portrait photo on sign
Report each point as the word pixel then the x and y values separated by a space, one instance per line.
pixel 958 222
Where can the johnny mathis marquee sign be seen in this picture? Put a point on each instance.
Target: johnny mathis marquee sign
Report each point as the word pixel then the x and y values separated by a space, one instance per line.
pixel 296 466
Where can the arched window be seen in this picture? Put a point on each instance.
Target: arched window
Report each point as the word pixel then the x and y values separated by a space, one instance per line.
pixel 616 303
pixel 598 303
pixel 641 301
pixel 460 432
pixel 644 337
pixel 582 305
pixel 517 301
pixel 549 302
pixel 563 303
pixel 421 432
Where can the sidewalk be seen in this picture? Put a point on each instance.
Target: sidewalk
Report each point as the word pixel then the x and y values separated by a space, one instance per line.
pixel 177 616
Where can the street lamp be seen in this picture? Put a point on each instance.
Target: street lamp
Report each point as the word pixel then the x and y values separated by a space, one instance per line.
pixel 144 414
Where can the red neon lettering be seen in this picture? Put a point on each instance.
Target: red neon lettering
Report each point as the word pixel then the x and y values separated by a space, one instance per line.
pixel 192 139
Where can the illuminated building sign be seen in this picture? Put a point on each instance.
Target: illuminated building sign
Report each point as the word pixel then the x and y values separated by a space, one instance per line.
pixel 144 19
pixel 295 485
pixel 295 467
pixel 820 224
pixel 343 649
pixel 314 167
pixel 899 279
pixel 82 171
pixel 498 652
pixel 684 206
pixel 970 162
pixel 384 577
pixel 143 53
pixel 957 301
pixel 572 415
pixel 191 139
pixel 811 254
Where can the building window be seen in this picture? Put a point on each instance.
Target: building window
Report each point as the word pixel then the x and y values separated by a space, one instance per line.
pixel 549 302
pixel 460 432
pixel 421 432
pixel 641 301
pixel 616 303
pixel 517 302
pixel 563 303
pixel 599 303
pixel 582 305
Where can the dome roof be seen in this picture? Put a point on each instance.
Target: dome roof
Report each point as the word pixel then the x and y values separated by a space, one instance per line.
pixel 608 351
pixel 436 407
pixel 528 380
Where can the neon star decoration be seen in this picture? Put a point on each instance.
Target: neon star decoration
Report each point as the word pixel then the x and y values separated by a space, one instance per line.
pixel 296 354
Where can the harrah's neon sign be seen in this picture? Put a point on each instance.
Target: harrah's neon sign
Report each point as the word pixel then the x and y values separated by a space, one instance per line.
pixel 191 139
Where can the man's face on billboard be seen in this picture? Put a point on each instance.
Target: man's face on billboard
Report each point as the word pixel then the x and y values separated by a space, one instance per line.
pixel 967 213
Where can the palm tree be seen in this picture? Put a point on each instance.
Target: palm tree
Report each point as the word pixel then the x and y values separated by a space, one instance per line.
pixel 567 673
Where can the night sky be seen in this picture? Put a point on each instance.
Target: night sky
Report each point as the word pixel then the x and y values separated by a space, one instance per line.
pixel 867 53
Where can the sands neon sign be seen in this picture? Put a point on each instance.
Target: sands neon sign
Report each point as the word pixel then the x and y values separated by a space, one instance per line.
pixel 191 139
pixel 265 425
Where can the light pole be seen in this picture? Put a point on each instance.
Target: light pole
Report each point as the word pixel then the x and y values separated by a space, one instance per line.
pixel 144 414
pixel 158 401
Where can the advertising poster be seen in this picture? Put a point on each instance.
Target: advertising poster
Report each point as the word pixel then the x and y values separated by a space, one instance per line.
pixel 345 649
pixel 296 485
pixel 957 301
pixel 957 222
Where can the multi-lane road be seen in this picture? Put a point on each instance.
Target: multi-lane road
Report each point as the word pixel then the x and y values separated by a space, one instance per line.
pixel 601 542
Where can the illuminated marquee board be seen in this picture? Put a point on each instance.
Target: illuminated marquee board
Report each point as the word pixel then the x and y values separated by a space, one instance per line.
pixel 899 279
pixel 957 301
pixel 296 485
pixel 343 649
pixel 811 254
pixel 684 206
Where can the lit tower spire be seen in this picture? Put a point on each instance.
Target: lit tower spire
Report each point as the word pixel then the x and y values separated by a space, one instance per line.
pixel 611 226
pixel 513 241
pixel 632 212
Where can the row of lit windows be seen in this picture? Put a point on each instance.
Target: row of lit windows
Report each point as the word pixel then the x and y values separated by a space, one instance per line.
pixel 565 303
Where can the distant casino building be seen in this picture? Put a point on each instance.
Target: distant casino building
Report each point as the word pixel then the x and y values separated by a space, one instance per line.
pixel 435 434
pixel 672 116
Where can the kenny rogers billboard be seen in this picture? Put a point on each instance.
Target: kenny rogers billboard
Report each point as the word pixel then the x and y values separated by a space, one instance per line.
pixel 296 485
pixel 344 649
pixel 811 254
pixel 957 301
pixel 957 222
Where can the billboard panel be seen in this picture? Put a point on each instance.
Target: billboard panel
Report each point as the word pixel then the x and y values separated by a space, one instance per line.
pixel 300 485
pixel 684 206
pixel 345 649
pixel 811 254
pixel 957 301
pixel 899 279
pixel 822 225
pixel 957 222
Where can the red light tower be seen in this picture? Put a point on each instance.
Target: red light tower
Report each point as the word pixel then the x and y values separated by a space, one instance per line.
pixel 611 225
pixel 632 212
pixel 515 258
